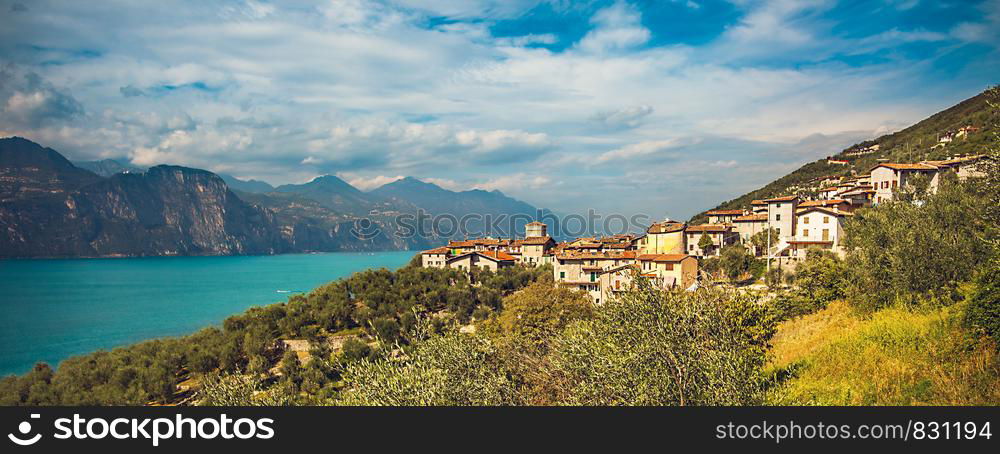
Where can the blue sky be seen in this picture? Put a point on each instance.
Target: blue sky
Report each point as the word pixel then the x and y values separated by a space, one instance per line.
pixel 658 107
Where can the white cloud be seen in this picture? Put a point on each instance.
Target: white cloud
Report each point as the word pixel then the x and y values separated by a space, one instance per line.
pixel 626 117
pixel 368 183
pixel 367 88
pixel 616 28
pixel 515 183
pixel 641 150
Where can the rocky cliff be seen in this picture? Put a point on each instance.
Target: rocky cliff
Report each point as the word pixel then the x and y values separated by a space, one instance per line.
pixel 51 208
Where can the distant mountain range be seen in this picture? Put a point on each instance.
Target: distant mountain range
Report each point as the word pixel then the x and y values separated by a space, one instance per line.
pixel 51 207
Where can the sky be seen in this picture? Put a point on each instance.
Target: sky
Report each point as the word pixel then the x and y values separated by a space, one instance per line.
pixel 658 107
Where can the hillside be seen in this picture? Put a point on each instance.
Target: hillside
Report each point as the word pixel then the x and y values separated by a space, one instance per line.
pixel 915 143
pixel 893 357
pixel 107 167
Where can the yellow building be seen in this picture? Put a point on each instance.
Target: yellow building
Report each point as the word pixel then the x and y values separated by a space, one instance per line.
pixel 665 237
pixel 669 270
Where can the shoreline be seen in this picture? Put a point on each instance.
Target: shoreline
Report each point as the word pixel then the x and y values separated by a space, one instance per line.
pixel 114 257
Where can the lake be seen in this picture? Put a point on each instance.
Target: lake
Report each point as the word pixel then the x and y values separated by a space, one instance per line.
pixel 53 309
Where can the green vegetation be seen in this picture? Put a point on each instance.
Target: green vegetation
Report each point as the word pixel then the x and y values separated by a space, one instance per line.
pixel 634 351
pixel 819 280
pixel 897 356
pixel 378 303
pixel 736 261
pixel 625 352
pixel 535 314
pixel 912 316
pixel 905 252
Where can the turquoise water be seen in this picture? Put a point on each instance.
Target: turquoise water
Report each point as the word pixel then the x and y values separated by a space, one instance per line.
pixel 53 309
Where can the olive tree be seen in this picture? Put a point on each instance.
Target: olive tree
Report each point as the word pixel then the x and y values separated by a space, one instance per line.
pixel 657 347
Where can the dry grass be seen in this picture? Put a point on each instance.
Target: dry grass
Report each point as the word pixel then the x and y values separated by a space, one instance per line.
pixel 895 357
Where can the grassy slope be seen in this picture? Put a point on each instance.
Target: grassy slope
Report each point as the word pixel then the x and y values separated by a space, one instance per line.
pixel 894 357
pixel 909 145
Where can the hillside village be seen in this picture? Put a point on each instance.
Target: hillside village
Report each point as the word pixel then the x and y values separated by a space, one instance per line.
pixel 669 252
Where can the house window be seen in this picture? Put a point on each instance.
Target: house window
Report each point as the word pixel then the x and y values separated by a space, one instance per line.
pixel 805 232
pixel 562 275
pixel 777 217
pixel 670 267
pixel 777 205
pixel 593 277
pixel 805 220
pixel 826 219
pixel 618 285
pixel 778 230
pixel 826 234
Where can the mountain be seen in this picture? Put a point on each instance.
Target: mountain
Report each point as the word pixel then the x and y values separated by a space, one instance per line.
pixel 255 186
pixel 107 167
pixel 28 170
pixel 51 208
pixel 436 200
pixel 919 142
pixel 308 225
pixel 333 193
pixel 60 210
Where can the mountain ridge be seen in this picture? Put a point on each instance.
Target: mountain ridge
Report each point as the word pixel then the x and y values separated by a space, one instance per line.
pixel 53 208
pixel 917 142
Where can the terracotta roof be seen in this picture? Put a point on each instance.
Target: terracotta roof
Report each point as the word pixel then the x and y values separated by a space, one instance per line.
pixel 787 198
pixel 708 228
pixel 899 166
pixel 662 257
pixel 953 161
pixel 752 218
pixel 822 203
pixel 825 210
pixel 535 223
pixel 465 243
pixel 489 241
pixel 666 227
pixel 536 240
pixel 500 256
pixel 725 212
pixel 615 269
pixel 439 250
pixel 758 202
pixel 607 255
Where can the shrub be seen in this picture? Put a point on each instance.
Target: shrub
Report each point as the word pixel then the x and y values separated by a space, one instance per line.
pixel 239 391
pixel 907 252
pixel 983 312
pixel 452 369
pixel 735 261
pixel 540 311
pixel 819 279
pixel 656 347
